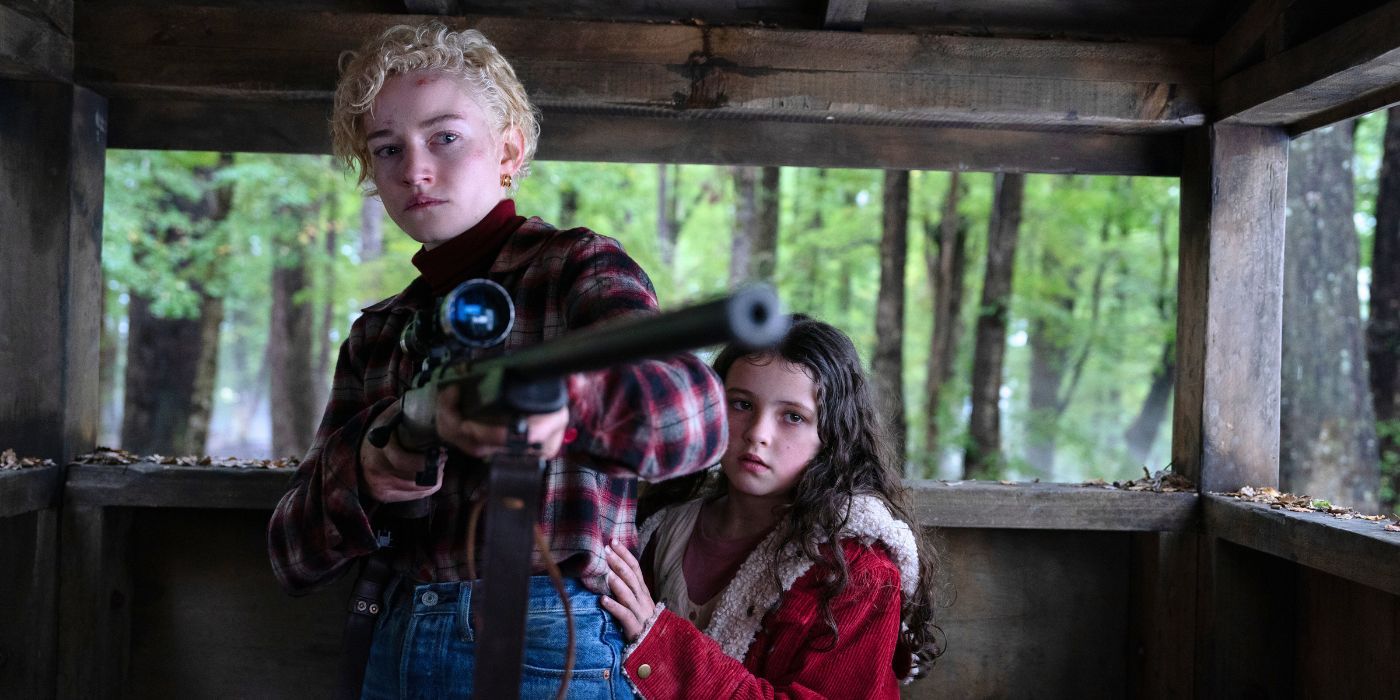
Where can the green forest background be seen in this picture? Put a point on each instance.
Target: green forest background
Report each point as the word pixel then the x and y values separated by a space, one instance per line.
pixel 232 278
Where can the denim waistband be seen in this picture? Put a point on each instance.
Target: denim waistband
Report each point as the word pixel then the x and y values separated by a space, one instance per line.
pixel 447 596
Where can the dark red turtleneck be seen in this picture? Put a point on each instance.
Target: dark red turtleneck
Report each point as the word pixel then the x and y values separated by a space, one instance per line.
pixel 470 254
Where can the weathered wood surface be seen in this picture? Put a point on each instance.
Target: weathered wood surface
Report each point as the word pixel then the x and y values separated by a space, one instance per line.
pixel 1246 625
pixel 1225 427
pixel 786 75
pixel 28 490
pixel 28 609
pixel 1357 550
pixel 969 504
pixel 1162 614
pixel 1350 639
pixel 206 626
pixel 151 485
pixel 989 504
pixel 1253 36
pixel 94 601
pixel 846 15
pixel 52 150
pixel 653 136
pixel 34 44
pixel 1324 74
pixel 1031 614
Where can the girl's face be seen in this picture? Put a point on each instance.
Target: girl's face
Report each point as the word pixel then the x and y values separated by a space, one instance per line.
pixel 772 425
pixel 437 160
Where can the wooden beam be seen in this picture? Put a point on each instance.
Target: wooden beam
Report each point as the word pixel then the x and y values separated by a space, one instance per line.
pixel 663 136
pixel 28 490
pixel 94 595
pixel 32 46
pixel 160 486
pixel 28 603
pixel 1225 427
pixel 1335 72
pixel 52 150
pixel 1251 38
pixel 1161 614
pixel 1026 506
pixel 739 72
pixel 1356 550
pixel 845 15
pixel 433 7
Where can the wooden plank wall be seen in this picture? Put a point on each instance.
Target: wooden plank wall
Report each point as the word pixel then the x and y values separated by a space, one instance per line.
pixel 28 593
pixel 52 146
pixel 1031 613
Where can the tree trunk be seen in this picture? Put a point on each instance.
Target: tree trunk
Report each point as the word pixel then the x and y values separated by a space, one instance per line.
pixel 667 217
pixel 945 256
pixel 325 347
pixel 172 363
pixel 568 205
pixel 984 458
pixel 745 222
pixel 754 250
pixel 810 274
pixel 371 229
pixel 1383 332
pixel 1050 358
pixel 290 353
pixel 1327 423
pixel 1142 433
pixel 108 349
pixel 887 364
pixel 169 379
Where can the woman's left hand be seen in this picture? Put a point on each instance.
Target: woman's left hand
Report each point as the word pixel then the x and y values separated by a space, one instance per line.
pixel 631 602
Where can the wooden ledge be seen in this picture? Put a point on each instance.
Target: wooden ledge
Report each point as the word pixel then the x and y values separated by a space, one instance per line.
pixel 151 485
pixel 27 490
pixel 1032 506
pixel 1357 550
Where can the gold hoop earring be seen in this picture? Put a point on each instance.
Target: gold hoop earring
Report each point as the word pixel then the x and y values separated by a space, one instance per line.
pixel 506 180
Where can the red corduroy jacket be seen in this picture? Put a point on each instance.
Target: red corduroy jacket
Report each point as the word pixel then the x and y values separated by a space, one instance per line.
pixel 793 655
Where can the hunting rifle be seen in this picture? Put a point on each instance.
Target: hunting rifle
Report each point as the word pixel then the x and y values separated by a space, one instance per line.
pixel 479 314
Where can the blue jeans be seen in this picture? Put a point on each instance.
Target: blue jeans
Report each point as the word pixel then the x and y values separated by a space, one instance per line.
pixel 425 644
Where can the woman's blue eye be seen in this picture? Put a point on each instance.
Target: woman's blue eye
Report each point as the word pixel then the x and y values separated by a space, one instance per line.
pixel 446 137
pixel 385 151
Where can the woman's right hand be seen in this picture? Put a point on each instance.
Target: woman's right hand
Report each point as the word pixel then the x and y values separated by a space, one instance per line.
pixel 390 472
pixel 631 602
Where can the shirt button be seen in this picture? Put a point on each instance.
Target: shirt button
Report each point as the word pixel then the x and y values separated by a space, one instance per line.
pixel 430 598
pixel 644 671
pixel 692 615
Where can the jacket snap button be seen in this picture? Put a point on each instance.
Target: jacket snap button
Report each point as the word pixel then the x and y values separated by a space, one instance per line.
pixel 430 598
pixel 644 671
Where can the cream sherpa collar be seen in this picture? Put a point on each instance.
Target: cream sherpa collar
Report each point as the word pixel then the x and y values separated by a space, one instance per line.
pixel 752 593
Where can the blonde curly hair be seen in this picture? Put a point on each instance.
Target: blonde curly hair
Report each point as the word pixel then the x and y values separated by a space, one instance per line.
pixel 432 46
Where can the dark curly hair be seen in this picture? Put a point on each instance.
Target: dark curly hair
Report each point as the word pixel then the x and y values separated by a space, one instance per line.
pixel 854 459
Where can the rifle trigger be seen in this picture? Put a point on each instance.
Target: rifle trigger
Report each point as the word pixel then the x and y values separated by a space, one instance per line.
pixel 379 437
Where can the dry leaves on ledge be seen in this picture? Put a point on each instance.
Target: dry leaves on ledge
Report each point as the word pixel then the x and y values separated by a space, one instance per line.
pixel 1160 481
pixel 108 455
pixel 9 460
pixel 1274 498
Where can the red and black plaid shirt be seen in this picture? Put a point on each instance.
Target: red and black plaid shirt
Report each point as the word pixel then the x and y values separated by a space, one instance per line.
pixel 652 419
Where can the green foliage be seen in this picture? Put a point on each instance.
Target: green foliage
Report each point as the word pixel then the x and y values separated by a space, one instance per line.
pixel 153 247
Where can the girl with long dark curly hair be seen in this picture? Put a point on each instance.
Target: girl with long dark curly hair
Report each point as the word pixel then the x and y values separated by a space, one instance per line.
pixel 798 558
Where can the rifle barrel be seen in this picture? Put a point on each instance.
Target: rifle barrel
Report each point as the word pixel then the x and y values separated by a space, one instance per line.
pixel 751 317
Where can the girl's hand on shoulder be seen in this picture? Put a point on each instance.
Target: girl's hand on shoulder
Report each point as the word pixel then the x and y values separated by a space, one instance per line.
pixel 631 602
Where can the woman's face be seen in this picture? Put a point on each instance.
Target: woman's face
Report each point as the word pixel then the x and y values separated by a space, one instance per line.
pixel 772 425
pixel 437 159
